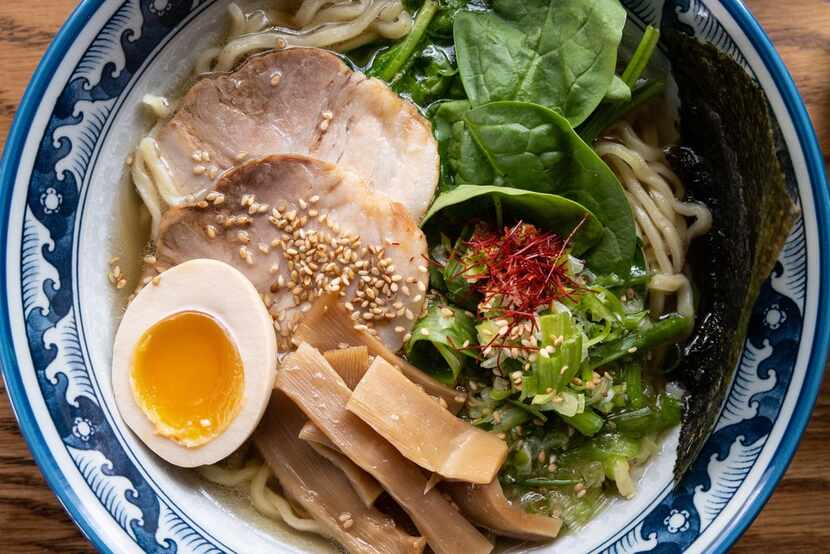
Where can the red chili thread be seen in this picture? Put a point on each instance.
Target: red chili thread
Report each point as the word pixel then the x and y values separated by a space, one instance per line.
pixel 524 267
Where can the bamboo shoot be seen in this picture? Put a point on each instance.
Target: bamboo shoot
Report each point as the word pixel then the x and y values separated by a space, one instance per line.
pixel 310 381
pixel 327 326
pixel 321 489
pixel 422 430
pixel 487 506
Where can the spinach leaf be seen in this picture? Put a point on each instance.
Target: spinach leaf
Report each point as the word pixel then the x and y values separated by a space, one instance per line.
pixel 548 211
pixel 615 107
pixel 558 54
pixel 430 75
pixel 531 147
pixel 442 23
pixel 462 162
pixel 438 341
pixel 619 91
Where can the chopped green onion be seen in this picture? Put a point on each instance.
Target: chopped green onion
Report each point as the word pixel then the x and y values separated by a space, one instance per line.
pixel 529 409
pixel 560 354
pixel 634 385
pixel 544 482
pixel 588 422
pixel 664 331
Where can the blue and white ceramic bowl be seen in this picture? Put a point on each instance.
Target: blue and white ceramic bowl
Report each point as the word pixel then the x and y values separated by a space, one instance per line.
pixel 67 209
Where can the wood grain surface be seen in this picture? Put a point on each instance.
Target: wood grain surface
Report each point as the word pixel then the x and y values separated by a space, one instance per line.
pixel 795 519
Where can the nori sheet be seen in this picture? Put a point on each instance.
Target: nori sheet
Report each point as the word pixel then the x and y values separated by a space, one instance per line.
pixel 729 161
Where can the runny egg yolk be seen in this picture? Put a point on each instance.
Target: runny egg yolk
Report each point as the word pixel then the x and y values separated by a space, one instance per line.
pixel 187 377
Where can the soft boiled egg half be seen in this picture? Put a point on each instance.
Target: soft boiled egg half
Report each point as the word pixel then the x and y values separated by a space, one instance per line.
pixel 194 362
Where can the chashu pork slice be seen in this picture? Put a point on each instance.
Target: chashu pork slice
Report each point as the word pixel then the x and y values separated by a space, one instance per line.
pixel 302 101
pixel 299 228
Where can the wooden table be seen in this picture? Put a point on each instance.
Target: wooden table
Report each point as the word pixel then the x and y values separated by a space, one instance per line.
pixel 796 518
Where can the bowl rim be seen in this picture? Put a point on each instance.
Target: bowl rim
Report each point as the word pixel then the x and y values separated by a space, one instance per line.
pixel 739 522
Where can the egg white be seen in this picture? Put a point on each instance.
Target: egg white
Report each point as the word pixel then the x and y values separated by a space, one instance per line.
pixel 222 292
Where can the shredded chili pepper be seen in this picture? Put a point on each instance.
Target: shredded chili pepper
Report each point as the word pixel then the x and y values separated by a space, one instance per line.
pixel 525 268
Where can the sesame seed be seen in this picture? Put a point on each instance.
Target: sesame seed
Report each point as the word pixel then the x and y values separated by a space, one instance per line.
pixel 314 199
pixel 407 336
pixel 409 315
pixel 422 286
pixel 632 350
pixel 348 524
pixel 275 79
pixel 150 259
pixel 242 155
pixel 210 230
pixel 417 298
pixel 324 125
pixel 157 280
pixel 423 269
pixel 425 332
pixel 199 170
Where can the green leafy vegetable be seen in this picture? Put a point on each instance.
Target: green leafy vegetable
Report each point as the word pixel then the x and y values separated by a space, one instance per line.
pixel 462 161
pixel 664 331
pixel 619 91
pixel 429 76
pixel 558 54
pixel 438 341
pixel 389 65
pixel 531 147
pixel 617 108
pixel 551 212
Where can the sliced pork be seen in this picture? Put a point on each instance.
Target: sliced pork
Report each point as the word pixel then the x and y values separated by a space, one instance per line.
pixel 299 228
pixel 301 101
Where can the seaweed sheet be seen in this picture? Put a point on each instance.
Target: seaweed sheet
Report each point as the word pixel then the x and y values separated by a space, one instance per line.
pixel 729 161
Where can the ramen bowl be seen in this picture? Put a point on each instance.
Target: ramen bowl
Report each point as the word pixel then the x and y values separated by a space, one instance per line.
pixel 68 209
